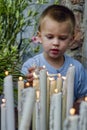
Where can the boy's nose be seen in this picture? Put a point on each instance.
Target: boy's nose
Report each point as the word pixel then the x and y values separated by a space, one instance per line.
pixel 56 41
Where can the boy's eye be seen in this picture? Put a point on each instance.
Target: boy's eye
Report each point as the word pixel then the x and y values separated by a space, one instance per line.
pixel 62 38
pixel 49 36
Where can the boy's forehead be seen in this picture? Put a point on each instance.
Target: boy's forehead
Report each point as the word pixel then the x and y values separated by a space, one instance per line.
pixel 48 19
pixel 49 23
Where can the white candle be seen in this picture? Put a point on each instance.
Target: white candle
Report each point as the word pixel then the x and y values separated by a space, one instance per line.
pixel 52 85
pixel 55 113
pixel 83 115
pixel 20 87
pixel 36 113
pixel 36 80
pixel 27 110
pixel 59 83
pixel 70 88
pixel 48 101
pixel 8 92
pixel 37 110
pixel 71 122
pixel 43 100
pixel 37 105
pixel 3 115
pixel 64 96
pixel 20 83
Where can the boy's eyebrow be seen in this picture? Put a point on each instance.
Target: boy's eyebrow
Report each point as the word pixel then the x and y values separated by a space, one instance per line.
pixel 58 35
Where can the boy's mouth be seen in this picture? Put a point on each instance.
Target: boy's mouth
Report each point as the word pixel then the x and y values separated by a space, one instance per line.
pixel 54 51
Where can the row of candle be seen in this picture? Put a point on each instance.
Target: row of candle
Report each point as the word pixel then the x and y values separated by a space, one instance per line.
pixel 51 110
pixel 46 85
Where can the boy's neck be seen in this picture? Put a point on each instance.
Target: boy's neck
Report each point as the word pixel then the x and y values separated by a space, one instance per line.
pixel 56 63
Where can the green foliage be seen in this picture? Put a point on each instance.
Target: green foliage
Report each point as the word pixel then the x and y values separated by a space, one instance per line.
pixel 13 22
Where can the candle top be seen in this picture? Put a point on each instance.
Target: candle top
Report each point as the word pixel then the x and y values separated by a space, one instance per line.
pixel 3 100
pixel 72 111
pixel 44 67
pixel 71 65
pixel 6 73
pixel 56 90
pixel 27 84
pixel 35 75
pixel 86 99
pixel 20 78
pixel 59 75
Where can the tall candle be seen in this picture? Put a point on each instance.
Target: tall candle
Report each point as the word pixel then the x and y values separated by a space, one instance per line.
pixel 36 113
pixel 3 115
pixel 8 92
pixel 48 101
pixel 52 85
pixel 20 87
pixel 72 121
pixel 37 106
pixel 70 88
pixel 27 110
pixel 64 97
pixel 36 81
pixel 43 99
pixel 55 112
pixel 59 82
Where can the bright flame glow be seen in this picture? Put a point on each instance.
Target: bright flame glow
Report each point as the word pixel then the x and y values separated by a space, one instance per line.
pixel 59 75
pixel 86 99
pixel 20 78
pixel 56 90
pixel 27 84
pixel 6 73
pixel 3 100
pixel 34 74
pixel 72 111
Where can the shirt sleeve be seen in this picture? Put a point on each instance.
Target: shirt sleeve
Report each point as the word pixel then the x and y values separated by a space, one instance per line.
pixel 81 86
pixel 26 66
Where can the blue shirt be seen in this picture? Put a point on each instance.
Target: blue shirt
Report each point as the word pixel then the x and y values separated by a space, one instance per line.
pixel 80 83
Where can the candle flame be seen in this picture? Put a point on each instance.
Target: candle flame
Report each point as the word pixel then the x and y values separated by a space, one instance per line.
pixel 3 100
pixel 59 75
pixel 20 78
pixel 27 84
pixel 63 77
pixel 72 111
pixel 6 73
pixel 47 73
pixel 71 65
pixel 56 90
pixel 86 99
pixel 51 78
pixel 44 66
pixel 35 75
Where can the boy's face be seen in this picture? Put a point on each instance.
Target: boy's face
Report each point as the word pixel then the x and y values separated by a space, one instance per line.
pixel 55 37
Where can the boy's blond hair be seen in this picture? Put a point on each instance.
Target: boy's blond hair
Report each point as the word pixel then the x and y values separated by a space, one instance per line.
pixel 58 13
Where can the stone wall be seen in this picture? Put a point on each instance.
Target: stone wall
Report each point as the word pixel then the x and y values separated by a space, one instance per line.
pixel 77 7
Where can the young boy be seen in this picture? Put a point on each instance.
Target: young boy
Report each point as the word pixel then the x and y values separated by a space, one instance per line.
pixel 55 32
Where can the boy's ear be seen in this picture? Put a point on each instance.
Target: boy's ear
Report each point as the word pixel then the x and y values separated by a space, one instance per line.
pixel 71 42
pixel 39 36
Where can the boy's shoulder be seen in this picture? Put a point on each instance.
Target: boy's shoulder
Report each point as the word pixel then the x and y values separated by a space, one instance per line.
pixel 73 61
pixel 34 58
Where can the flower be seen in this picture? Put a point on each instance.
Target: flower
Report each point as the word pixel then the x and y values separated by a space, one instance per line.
pixel 35 39
pixel 36 44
